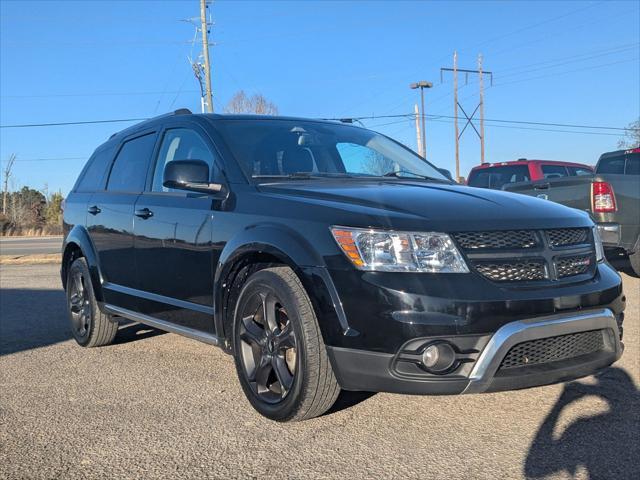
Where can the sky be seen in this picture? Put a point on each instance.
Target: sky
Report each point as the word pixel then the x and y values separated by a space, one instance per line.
pixel 553 62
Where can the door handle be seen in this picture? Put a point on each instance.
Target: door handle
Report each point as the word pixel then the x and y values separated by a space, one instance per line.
pixel 541 186
pixel 144 213
pixel 94 210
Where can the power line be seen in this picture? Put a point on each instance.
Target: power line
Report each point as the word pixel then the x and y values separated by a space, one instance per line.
pixel 86 122
pixel 99 94
pixel 548 124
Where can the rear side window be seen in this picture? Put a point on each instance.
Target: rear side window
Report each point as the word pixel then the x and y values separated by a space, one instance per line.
pixel 496 177
pixel 579 171
pixel 613 165
pixel 633 164
pixel 129 170
pixel 93 177
pixel 554 171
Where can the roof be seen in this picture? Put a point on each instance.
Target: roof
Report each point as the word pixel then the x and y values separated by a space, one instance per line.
pixel 525 161
pixel 216 117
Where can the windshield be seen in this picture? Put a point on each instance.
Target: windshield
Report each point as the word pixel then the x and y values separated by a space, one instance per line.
pixel 292 148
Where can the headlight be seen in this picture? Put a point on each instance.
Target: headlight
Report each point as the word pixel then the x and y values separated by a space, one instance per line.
pixel 599 248
pixel 385 251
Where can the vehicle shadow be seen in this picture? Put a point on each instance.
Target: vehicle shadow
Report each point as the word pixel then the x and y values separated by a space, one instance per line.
pixel 606 445
pixel 32 318
pixel 348 399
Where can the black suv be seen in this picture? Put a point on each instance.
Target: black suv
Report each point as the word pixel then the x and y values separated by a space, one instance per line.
pixel 325 256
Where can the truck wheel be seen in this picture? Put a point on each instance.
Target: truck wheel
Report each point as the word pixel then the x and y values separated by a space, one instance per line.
pixel 90 327
pixel 279 353
pixel 634 260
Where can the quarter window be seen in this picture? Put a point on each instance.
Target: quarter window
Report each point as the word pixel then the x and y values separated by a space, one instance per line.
pixel 129 170
pixel 180 144
pixel 93 177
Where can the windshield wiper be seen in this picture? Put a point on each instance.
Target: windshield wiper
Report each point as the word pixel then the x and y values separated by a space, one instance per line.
pixel 305 175
pixel 402 173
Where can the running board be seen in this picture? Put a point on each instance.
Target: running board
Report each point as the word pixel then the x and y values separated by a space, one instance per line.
pixel 163 325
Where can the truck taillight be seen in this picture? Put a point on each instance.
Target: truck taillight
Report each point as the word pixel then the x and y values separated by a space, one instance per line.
pixel 602 197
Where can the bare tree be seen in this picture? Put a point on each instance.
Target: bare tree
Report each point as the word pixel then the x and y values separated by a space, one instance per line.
pixel 7 176
pixel 241 103
pixel 631 137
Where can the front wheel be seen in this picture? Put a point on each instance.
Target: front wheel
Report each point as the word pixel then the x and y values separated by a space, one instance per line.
pixel 279 353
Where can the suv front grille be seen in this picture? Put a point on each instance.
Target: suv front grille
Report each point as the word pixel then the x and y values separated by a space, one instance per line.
pixel 512 271
pixel 552 349
pixel 570 266
pixel 497 239
pixel 529 255
pixel 561 237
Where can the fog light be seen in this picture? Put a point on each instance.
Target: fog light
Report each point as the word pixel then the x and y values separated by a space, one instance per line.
pixel 438 357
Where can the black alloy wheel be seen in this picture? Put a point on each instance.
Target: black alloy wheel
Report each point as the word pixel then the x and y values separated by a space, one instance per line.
pixel 268 346
pixel 279 352
pixel 79 304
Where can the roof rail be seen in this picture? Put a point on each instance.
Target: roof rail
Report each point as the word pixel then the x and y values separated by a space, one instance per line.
pixel 180 111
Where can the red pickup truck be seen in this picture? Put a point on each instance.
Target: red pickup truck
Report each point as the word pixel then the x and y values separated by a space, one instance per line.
pixel 497 175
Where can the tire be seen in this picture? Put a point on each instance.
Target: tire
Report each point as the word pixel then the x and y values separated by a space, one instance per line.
pixel 634 260
pixel 89 326
pixel 280 357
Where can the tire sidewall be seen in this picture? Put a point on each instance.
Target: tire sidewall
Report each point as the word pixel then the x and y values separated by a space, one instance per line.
pixel 286 408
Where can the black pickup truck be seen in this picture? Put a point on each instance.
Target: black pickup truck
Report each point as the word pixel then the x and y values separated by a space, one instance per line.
pixel 611 196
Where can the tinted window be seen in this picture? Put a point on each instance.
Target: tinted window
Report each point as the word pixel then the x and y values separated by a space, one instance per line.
pixel 93 176
pixel 286 147
pixel 496 177
pixel 363 160
pixel 180 144
pixel 633 164
pixel 129 170
pixel 554 171
pixel 579 171
pixel 611 165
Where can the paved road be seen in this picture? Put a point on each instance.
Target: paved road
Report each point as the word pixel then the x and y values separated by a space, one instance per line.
pixel 29 245
pixel 162 406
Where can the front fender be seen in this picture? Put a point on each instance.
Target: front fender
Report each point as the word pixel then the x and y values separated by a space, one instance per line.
pixel 290 248
pixel 78 237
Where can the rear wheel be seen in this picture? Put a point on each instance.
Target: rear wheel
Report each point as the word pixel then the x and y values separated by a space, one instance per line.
pixel 280 356
pixel 89 326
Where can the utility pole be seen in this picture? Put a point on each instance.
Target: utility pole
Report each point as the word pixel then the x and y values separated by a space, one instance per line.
pixel 456 105
pixel 7 175
pixel 205 52
pixel 481 109
pixel 418 137
pixel 422 85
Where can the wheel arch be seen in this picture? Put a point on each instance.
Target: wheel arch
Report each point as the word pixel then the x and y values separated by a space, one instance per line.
pixel 77 244
pixel 261 247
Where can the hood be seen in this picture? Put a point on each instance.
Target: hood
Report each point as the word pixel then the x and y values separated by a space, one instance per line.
pixel 419 205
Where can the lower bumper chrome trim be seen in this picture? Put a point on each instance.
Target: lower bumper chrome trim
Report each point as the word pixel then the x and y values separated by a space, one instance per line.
pixel 532 329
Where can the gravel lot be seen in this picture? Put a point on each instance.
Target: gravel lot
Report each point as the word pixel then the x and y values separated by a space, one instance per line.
pixel 161 406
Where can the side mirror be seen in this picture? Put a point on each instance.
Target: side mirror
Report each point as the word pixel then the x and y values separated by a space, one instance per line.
pixel 190 175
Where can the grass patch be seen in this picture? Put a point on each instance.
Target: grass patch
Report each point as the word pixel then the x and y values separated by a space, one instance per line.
pixel 30 259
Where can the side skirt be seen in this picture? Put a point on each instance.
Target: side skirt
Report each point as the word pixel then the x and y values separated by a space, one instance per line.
pixel 163 325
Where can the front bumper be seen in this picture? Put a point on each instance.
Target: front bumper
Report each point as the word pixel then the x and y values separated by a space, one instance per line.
pixel 482 369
